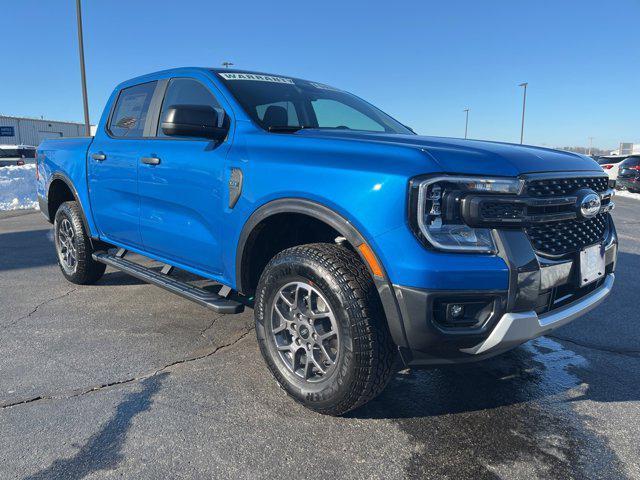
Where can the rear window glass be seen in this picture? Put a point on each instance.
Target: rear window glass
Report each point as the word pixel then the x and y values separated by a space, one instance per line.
pixel 130 113
pixel 631 162
pixel 610 161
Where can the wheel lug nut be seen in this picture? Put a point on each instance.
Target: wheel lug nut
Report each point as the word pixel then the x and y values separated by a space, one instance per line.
pixel 315 336
pixel 308 346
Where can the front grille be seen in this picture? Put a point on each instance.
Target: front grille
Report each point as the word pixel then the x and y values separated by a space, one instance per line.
pixel 554 187
pixel 502 210
pixel 560 238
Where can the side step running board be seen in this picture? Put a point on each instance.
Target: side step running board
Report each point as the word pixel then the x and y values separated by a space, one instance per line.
pixel 207 299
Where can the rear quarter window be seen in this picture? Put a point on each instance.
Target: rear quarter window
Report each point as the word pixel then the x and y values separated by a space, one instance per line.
pixel 130 112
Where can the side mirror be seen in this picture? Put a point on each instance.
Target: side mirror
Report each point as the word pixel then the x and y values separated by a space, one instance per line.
pixel 192 121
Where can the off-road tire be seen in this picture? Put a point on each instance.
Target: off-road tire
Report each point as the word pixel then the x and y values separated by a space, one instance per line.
pixel 87 271
pixel 367 355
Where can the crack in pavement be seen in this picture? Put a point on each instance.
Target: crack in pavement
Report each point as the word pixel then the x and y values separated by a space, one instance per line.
pixel 207 328
pixel 624 352
pixel 83 391
pixel 35 309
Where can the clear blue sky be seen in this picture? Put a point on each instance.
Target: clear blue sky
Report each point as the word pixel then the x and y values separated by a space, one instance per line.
pixel 421 61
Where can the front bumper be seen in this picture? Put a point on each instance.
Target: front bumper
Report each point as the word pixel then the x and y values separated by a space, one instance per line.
pixel 542 296
pixel 515 328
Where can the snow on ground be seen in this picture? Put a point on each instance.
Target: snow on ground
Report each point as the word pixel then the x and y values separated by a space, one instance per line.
pixel 18 187
pixel 628 194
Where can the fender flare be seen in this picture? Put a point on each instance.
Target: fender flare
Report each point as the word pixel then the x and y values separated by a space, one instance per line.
pixel 347 230
pixel 293 205
pixel 67 181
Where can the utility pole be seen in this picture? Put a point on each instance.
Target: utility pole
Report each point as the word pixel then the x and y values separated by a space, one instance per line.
pixel 83 75
pixel 524 106
pixel 590 145
pixel 466 121
pixel 227 64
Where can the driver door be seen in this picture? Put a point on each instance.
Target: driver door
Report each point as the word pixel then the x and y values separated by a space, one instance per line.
pixel 181 196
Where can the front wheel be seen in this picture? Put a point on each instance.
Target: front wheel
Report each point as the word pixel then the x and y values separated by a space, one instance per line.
pixel 73 247
pixel 321 328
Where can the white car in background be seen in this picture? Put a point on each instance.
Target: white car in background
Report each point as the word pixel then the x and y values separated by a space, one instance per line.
pixel 17 155
pixel 611 164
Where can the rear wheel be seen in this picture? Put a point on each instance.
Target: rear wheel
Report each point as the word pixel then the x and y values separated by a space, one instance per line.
pixel 321 328
pixel 73 247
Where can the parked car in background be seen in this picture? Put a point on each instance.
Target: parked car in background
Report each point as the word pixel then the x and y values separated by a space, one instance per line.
pixel 629 174
pixel 17 155
pixel 610 164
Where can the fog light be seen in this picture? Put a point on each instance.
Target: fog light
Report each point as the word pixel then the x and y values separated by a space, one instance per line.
pixel 466 312
pixel 456 311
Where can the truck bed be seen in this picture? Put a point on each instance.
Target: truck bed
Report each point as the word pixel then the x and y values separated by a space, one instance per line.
pixel 65 158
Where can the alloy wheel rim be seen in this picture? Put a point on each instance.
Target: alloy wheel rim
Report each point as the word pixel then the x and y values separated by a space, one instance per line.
pixel 67 251
pixel 305 332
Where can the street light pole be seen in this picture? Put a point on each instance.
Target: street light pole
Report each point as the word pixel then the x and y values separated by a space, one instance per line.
pixel 524 106
pixel 590 145
pixel 466 122
pixel 83 75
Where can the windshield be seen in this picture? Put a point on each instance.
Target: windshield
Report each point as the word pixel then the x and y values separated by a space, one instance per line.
pixel 286 104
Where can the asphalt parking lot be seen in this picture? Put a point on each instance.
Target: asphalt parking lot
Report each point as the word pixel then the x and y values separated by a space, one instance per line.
pixel 122 379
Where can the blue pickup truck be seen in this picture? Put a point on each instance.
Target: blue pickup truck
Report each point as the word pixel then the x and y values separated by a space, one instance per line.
pixel 360 246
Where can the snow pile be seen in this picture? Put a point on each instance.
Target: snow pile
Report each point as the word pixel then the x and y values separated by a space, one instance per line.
pixel 628 194
pixel 18 187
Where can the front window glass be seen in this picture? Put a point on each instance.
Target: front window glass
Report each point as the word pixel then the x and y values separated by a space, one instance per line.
pixel 130 113
pixel 186 91
pixel 281 104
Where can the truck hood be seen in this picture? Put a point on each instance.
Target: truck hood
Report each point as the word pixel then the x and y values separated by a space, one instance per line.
pixel 470 157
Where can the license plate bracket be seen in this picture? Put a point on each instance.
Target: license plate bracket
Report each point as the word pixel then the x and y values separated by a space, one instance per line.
pixel 592 266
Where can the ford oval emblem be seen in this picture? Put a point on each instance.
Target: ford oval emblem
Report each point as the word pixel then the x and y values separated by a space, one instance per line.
pixel 589 205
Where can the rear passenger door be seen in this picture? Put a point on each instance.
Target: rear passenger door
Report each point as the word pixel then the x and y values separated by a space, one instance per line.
pixel 112 165
pixel 182 196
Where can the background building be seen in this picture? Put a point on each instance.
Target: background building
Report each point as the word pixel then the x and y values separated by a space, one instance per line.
pixel 627 149
pixel 31 131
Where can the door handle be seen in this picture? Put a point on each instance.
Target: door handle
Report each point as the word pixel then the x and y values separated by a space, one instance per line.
pixel 99 157
pixel 150 160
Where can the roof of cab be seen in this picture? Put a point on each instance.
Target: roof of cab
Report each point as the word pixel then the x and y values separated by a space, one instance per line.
pixel 148 77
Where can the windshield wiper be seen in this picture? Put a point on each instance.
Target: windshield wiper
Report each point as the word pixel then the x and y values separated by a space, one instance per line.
pixel 286 128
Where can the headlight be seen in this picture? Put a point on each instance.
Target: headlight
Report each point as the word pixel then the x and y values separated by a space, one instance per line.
pixel 435 210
